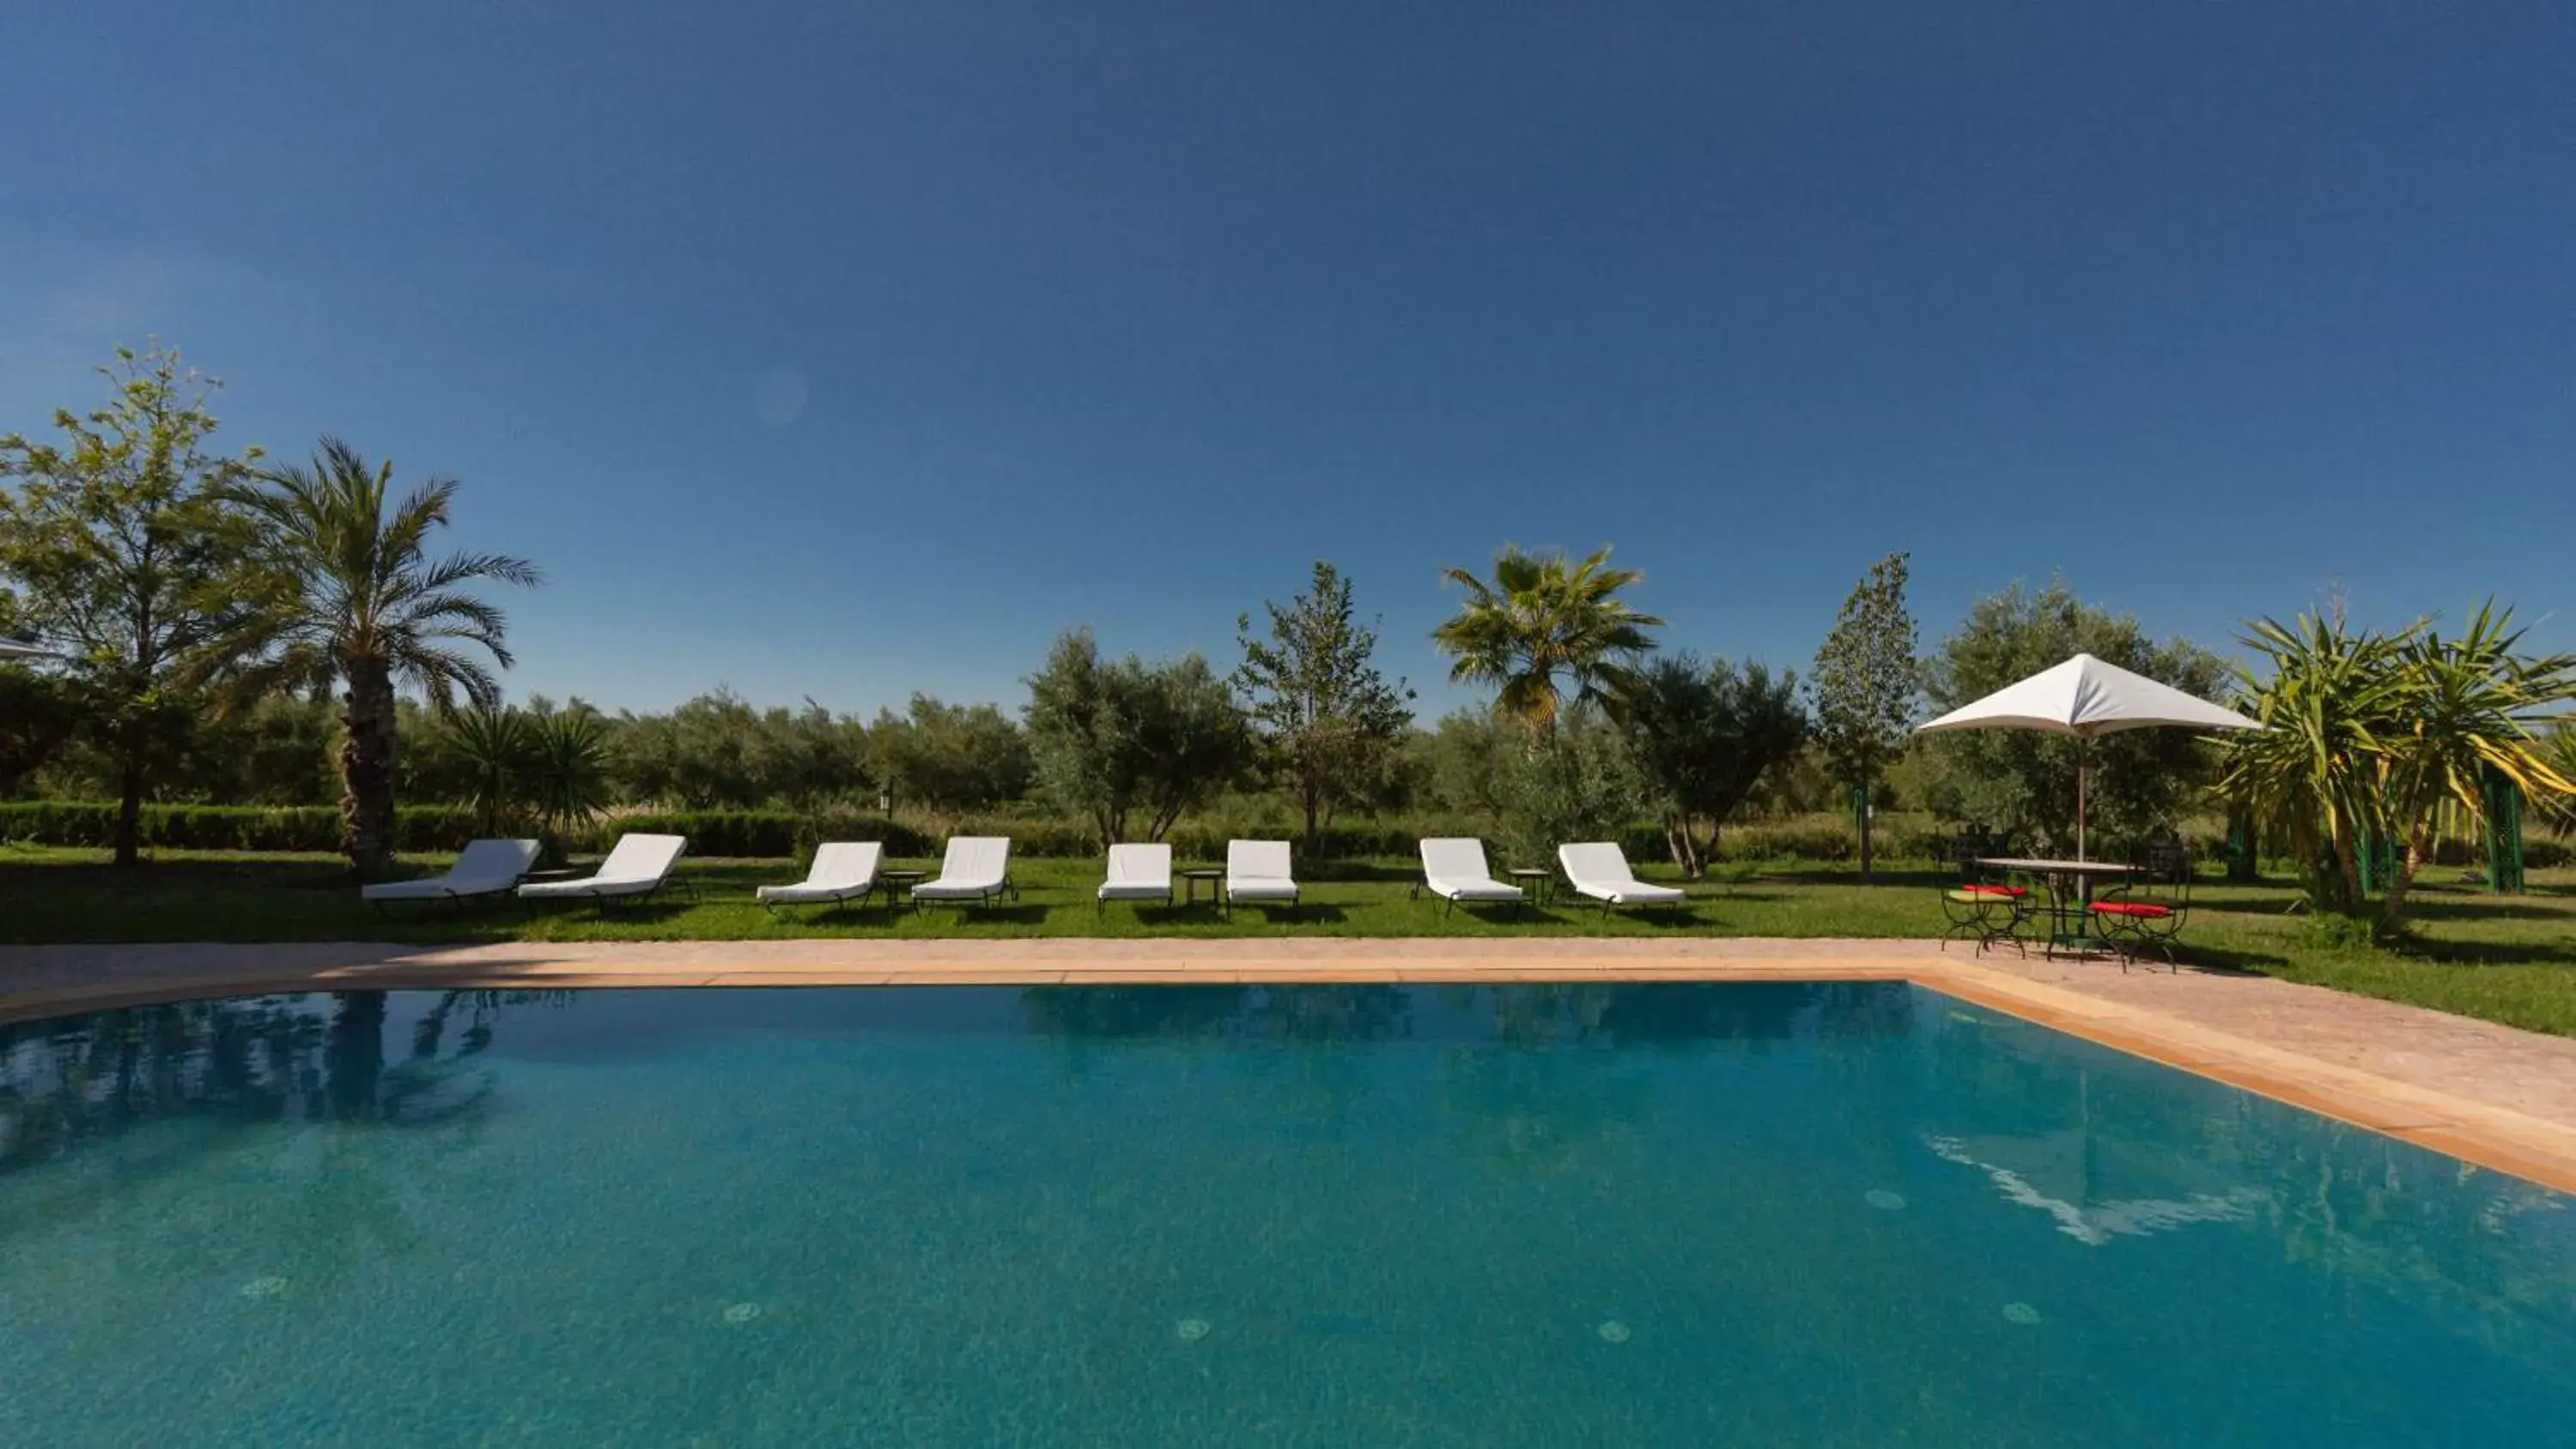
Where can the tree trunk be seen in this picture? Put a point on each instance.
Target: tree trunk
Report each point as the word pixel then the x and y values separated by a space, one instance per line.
pixel 129 809
pixel 1861 808
pixel 1684 844
pixel 2417 852
pixel 367 769
pixel 1314 830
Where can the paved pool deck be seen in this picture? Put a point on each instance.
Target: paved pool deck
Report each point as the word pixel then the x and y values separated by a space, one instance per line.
pixel 2492 1095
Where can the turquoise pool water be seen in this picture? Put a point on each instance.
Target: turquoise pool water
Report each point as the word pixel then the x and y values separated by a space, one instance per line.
pixel 1334 1216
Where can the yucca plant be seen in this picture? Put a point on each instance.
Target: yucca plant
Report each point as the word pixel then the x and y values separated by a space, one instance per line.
pixel 567 781
pixel 1545 632
pixel 499 744
pixel 2314 766
pixel 2372 738
pixel 2467 705
pixel 352 595
pixel 2558 747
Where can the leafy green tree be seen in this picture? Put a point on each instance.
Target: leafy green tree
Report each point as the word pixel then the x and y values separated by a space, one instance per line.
pixel 1704 736
pixel 125 555
pixel 719 752
pixel 1864 684
pixel 2023 781
pixel 39 714
pixel 1113 738
pixel 950 756
pixel 1578 782
pixel 1329 721
pixel 354 598
pixel 1545 631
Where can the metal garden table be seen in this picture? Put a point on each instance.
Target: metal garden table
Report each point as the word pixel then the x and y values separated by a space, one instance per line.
pixel 2070 920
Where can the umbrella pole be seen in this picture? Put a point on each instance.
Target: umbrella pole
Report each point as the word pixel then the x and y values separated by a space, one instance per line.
pixel 2083 750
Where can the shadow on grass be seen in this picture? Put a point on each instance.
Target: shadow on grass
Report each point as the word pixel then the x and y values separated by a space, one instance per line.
pixel 1307 913
pixel 2489 953
pixel 1893 880
pixel 2484 908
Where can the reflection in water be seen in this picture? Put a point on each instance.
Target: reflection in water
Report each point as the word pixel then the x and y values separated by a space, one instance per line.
pixel 76 1079
pixel 1650 1212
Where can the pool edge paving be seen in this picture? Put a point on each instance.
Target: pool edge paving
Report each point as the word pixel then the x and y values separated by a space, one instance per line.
pixel 2417 1098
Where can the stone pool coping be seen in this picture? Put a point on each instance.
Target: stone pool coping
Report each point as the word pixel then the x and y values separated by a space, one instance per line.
pixel 2501 1098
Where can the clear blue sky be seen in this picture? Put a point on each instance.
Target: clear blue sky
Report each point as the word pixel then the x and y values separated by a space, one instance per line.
pixel 847 350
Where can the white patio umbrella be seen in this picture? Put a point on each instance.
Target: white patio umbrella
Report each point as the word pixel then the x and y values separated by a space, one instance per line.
pixel 2085 697
pixel 12 649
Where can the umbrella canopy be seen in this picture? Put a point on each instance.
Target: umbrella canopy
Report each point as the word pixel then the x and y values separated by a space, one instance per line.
pixel 2085 697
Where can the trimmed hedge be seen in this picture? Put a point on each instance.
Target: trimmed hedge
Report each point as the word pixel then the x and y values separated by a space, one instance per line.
pixel 223 827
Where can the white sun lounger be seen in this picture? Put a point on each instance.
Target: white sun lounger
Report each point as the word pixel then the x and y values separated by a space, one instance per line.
pixel 1257 873
pixel 1138 873
pixel 977 868
pixel 1599 869
pixel 638 866
pixel 1454 870
pixel 843 871
pixel 483 868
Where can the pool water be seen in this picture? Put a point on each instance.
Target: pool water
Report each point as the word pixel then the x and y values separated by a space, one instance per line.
pixel 1659 1214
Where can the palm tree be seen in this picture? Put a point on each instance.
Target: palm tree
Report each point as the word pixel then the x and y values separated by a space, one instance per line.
pixel 356 598
pixel 1543 628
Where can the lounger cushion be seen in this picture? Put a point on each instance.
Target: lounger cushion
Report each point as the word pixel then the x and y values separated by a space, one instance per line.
pixel 1259 870
pixel 1634 893
pixel 843 870
pixel 976 868
pixel 637 865
pixel 803 894
pixel 435 888
pixel 482 868
pixel 1474 890
pixel 1599 869
pixel 1454 869
pixel 594 886
pixel 1138 872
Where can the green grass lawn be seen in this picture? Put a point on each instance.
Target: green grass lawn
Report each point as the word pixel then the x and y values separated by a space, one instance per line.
pixel 2507 959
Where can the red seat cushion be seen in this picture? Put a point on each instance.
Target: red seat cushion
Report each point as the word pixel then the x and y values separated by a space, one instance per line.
pixel 2137 909
pixel 2016 892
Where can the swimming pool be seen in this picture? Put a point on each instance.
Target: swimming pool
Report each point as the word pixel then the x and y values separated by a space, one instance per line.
pixel 1661 1213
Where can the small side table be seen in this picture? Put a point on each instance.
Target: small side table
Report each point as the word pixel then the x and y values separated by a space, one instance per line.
pixel 1192 875
pixel 1538 880
pixel 898 881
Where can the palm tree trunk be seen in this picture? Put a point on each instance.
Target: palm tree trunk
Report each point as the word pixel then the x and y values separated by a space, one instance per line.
pixel 357 1055
pixel 367 768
